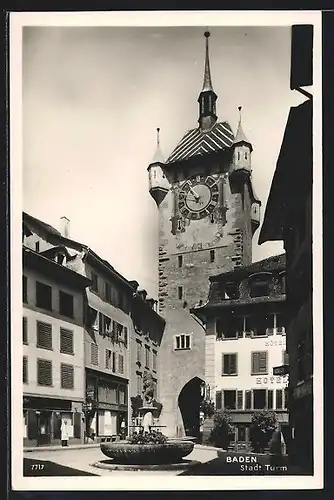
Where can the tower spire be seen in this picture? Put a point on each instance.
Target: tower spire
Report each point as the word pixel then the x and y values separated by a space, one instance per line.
pixel 240 135
pixel 207 83
pixel 158 156
pixel 207 98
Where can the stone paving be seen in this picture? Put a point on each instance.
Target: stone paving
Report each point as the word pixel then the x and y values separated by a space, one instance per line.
pixel 81 460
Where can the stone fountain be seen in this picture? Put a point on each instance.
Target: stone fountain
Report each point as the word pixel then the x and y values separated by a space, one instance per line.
pixel 149 449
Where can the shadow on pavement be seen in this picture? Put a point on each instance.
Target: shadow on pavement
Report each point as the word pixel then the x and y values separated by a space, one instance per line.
pixel 39 468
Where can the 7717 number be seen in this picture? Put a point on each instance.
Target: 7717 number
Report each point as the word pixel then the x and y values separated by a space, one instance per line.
pixel 37 466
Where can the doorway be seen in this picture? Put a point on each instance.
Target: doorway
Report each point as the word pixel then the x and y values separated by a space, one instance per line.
pixel 189 403
pixel 44 428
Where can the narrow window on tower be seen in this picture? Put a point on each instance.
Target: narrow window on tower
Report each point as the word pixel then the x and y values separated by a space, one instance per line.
pixel 212 255
pixel 180 292
pixel 179 225
pixel 238 155
pixel 246 155
pixel 180 260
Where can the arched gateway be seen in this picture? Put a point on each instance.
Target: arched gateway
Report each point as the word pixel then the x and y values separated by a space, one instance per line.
pixel 189 402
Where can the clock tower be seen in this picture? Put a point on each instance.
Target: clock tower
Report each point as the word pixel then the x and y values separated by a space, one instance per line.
pixel 208 213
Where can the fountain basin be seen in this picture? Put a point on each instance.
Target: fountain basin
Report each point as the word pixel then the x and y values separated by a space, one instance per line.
pixel 168 453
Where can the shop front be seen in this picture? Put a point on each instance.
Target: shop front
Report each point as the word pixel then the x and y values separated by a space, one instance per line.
pixel 107 406
pixel 44 417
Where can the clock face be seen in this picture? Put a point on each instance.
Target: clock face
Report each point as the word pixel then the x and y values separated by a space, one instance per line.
pixel 198 197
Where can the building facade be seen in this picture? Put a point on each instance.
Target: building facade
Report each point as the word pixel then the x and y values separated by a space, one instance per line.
pixel 245 340
pixel 117 317
pixel 53 351
pixel 145 344
pixel 208 213
pixel 288 217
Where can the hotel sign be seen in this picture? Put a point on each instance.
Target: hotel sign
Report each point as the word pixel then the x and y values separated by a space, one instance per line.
pixel 281 370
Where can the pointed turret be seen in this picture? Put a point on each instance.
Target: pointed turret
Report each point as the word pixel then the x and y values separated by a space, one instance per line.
pixel 158 184
pixel 242 149
pixel 207 98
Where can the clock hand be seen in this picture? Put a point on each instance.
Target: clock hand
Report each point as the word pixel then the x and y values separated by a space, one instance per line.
pixel 196 196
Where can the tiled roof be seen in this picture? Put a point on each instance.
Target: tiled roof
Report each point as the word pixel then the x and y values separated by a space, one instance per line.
pixel 195 142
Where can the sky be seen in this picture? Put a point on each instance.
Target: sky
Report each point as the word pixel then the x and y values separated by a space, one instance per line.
pixel 92 100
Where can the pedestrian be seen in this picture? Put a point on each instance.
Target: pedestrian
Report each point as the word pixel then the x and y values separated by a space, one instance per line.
pixel 64 433
pixel 123 430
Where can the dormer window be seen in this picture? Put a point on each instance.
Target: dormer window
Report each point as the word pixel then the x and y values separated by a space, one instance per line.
pixel 232 290
pixel 260 285
pixel 246 155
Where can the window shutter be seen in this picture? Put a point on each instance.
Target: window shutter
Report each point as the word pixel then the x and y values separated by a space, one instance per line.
pixel 126 336
pixel 44 335
pixel 113 362
pixel 233 364
pixel 279 399
pixel 25 369
pixel 94 355
pixel 67 376
pixel 270 394
pixel 66 341
pixel 44 372
pixel 285 358
pixel 24 330
pixel 218 400
pixel 240 400
pixel 263 362
pixel 224 365
pixel 120 363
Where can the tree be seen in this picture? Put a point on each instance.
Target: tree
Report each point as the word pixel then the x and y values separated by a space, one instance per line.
pixel 261 429
pixel 223 431
pixel 136 403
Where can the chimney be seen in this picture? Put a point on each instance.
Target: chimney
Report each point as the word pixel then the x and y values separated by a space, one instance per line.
pixel 65 227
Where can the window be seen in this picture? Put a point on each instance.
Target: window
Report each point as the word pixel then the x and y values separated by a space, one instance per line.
pixel 229 364
pixel 182 341
pixel 260 325
pixel 286 398
pixel 180 260
pixel 66 341
pixel 43 296
pixel 179 225
pixel 218 400
pixel 280 323
pixel 66 304
pixel 24 331
pixel 108 359
pixel 285 358
pixel 24 289
pixel 139 383
pixel 229 399
pixel 279 399
pixel 94 354
pixel 121 363
pixel 246 155
pixel 44 372
pixel 230 327
pixel 25 370
pixel 154 361
pixel 37 246
pixel 259 399
pixel 66 376
pixel 113 367
pixel 260 287
pixel 180 292
pixel 248 400
pixel 238 155
pixel 240 402
pixel 94 285
pixel 121 395
pixel 232 290
pixel 138 360
pixel 259 362
pixel 107 292
pixel 270 399
pixel 147 357
pixel 212 255
pixel 44 335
